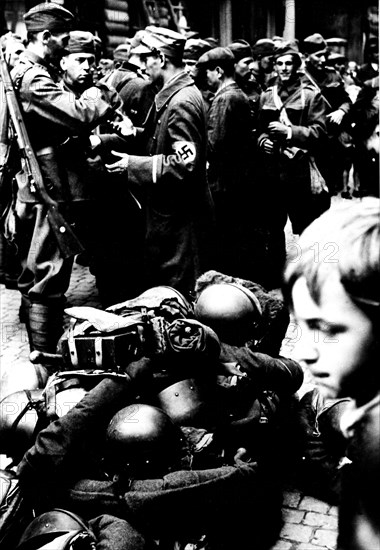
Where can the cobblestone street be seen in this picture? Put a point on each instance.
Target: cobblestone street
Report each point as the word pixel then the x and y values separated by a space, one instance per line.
pixel 309 524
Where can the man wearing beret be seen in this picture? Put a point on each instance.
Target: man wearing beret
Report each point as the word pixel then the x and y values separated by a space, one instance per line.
pixel 292 127
pixel 229 149
pixel 51 115
pixel 262 51
pixel 246 73
pixel 330 84
pixel 170 170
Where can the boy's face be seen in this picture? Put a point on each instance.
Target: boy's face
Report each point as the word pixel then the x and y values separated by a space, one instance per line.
pixel 335 338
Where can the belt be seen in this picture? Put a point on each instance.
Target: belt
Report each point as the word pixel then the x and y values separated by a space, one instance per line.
pixel 45 151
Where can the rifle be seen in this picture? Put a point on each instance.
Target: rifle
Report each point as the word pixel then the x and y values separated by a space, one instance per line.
pixel 68 243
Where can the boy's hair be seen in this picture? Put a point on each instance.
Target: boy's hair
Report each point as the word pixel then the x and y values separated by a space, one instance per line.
pixel 345 239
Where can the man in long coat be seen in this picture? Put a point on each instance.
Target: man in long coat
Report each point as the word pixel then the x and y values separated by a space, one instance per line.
pixel 171 171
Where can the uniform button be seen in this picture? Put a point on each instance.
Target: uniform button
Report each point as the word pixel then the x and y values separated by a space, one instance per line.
pixel 158 121
pixel 154 138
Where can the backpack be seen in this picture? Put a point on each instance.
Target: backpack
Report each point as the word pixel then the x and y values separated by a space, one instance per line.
pixel 15 512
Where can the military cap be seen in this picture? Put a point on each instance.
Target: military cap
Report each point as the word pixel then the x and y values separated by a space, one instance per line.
pixel 241 49
pixel 122 52
pixel 264 47
pixel 164 40
pixel 51 17
pixel 314 43
pixel 140 49
pixel 336 58
pixel 81 42
pixel 214 43
pixel 216 55
pixel 288 47
pixel 336 41
pixel 194 48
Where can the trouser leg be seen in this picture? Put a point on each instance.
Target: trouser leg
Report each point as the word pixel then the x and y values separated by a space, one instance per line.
pixel 44 279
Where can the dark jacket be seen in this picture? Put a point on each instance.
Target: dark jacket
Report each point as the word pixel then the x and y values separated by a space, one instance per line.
pixel 228 136
pixel 171 174
pixel 331 85
pixel 359 524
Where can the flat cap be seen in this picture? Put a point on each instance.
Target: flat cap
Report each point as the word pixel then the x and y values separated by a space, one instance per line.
pixel 314 43
pixel 216 55
pixel 51 17
pixel 166 41
pixel 241 49
pixel 194 48
pixel 81 42
pixel 264 47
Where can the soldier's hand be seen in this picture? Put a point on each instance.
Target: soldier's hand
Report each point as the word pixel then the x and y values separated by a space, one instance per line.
pixel 336 116
pixel 123 126
pixel 278 130
pixel 268 146
pixel 121 166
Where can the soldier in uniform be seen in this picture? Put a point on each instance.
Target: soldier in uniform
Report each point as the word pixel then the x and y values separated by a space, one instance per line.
pixel 330 84
pixel 292 126
pixel 51 116
pixel 170 170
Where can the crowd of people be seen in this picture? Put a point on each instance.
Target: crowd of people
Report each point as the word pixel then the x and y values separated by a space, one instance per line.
pixel 177 165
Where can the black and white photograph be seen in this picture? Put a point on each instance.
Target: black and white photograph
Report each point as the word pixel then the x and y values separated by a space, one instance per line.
pixel 189 275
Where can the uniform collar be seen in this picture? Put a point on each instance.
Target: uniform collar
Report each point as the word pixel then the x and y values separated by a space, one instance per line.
pixel 229 86
pixel 34 58
pixel 179 81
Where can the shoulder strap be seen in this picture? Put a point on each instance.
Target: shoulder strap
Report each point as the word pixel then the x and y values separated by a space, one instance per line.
pixel 311 79
pixel 281 106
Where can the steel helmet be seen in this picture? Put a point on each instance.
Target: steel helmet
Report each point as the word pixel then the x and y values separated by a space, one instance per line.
pixel 142 441
pixel 19 415
pixel 231 310
pixel 189 402
pixel 57 530
pixel 24 413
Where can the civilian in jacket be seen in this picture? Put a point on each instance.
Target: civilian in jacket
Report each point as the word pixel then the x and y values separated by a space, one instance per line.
pixel 335 298
pixel 170 172
pixel 228 156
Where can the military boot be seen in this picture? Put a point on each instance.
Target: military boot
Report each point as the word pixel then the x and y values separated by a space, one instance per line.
pixel 44 325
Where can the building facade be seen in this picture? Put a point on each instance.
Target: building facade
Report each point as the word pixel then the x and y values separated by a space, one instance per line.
pixel 114 20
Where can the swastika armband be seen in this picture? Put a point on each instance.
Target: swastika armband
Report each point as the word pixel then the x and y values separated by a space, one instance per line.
pixel 186 150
